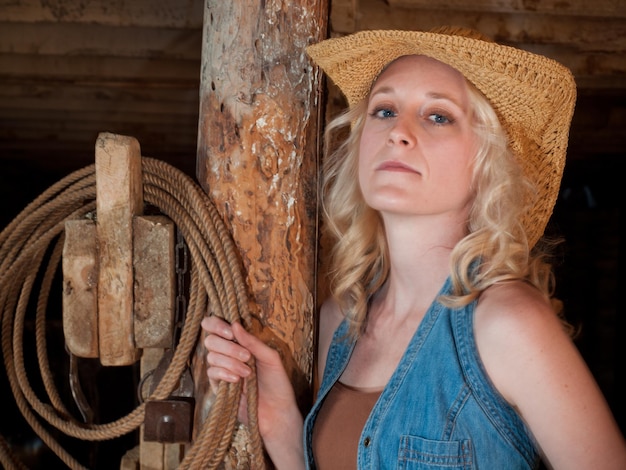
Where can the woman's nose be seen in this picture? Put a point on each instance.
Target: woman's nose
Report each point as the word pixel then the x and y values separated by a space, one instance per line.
pixel 402 134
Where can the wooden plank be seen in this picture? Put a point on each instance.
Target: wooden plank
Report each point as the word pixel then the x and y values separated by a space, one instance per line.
pixel 161 139
pixel 60 39
pixel 585 34
pixel 84 118
pixel 79 150
pixel 80 288
pixel 119 197
pixel 154 291
pixel 173 455
pixel 78 136
pixel 76 139
pixel 119 99
pixel 155 13
pixel 116 107
pixel 63 157
pixel 105 71
pixel 167 130
pixel 82 141
pixel 604 8
pixel 343 15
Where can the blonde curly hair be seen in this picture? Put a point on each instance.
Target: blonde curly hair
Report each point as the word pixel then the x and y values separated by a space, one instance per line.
pixel 495 248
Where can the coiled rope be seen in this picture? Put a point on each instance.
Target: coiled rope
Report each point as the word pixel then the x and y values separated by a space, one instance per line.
pixel 216 281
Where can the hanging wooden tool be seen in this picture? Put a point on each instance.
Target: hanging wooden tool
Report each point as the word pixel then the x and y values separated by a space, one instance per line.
pixel 119 291
pixel 118 266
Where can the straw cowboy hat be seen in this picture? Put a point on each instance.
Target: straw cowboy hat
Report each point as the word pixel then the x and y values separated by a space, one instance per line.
pixel 533 96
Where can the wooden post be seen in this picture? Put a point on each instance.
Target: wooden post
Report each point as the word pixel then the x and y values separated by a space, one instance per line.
pixel 258 151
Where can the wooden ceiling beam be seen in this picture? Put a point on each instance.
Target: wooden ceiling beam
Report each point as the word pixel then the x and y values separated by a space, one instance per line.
pixel 598 8
pixel 142 13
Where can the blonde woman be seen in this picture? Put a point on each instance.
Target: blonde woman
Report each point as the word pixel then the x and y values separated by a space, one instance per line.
pixel 441 346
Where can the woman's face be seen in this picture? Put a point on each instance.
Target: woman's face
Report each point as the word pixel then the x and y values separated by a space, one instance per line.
pixel 417 144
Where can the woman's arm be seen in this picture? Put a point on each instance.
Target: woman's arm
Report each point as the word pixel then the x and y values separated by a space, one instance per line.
pixel 538 369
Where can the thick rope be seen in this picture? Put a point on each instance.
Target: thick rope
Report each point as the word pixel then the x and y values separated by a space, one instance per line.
pixel 216 283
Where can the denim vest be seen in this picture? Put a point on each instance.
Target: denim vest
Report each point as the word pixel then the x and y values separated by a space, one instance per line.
pixel 439 409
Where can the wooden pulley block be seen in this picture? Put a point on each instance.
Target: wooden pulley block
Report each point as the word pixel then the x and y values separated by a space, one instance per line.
pixel 118 266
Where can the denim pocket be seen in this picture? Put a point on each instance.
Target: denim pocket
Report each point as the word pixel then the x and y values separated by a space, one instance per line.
pixel 417 453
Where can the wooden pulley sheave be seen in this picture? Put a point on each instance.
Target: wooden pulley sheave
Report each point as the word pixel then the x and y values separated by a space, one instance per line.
pixel 123 284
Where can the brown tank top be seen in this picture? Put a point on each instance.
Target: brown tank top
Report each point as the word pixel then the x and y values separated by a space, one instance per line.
pixel 338 426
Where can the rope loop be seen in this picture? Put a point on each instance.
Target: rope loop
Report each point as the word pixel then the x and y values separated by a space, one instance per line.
pixel 217 281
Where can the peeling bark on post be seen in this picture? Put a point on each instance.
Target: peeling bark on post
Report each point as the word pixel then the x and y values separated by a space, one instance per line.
pixel 258 153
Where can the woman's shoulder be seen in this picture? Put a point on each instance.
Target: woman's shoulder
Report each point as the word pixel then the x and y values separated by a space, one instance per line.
pixel 507 303
pixel 516 329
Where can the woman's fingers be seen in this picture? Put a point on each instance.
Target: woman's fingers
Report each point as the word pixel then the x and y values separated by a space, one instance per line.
pixel 215 325
pixel 251 343
pixel 226 359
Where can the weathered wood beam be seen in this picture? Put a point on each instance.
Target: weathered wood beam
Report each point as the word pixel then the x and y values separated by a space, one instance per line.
pixel 99 113
pixel 118 99
pixel 587 34
pixel 76 133
pixel 157 13
pixel 343 15
pixel 605 8
pixel 107 71
pixel 258 149
pixel 62 38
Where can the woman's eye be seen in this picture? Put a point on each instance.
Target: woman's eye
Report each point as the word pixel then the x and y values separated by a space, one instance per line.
pixel 383 113
pixel 439 118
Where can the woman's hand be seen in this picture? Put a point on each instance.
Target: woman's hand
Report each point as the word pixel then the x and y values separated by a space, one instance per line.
pixel 226 359
pixel 229 348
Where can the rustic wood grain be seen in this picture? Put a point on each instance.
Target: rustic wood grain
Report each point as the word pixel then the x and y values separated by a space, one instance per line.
pixel 119 197
pixel 557 7
pixel 143 13
pixel 80 288
pixel 257 159
pixel 154 283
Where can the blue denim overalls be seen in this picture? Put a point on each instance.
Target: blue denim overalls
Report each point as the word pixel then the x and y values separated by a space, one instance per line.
pixel 439 409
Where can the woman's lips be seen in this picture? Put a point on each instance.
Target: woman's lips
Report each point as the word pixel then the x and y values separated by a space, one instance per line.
pixel 395 166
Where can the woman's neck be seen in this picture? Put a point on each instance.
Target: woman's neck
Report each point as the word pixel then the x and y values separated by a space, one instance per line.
pixel 419 259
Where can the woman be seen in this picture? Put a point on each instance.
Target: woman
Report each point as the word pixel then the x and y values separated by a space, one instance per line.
pixel 441 346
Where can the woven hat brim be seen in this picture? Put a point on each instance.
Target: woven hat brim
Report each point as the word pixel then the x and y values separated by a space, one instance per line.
pixel 533 96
